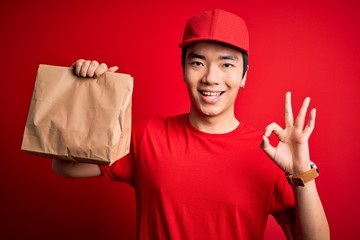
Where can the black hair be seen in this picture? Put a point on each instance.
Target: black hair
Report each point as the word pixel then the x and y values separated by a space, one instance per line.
pixel 243 53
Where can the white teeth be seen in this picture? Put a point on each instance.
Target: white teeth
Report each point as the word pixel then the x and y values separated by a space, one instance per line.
pixel 211 93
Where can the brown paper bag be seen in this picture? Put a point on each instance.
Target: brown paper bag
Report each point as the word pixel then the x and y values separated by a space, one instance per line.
pixel 79 119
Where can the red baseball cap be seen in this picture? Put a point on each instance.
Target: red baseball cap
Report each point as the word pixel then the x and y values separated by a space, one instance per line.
pixel 216 25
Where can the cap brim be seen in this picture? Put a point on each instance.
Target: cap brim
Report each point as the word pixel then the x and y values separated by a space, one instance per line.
pixel 193 40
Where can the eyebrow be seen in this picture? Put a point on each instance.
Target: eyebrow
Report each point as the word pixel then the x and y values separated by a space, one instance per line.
pixel 196 55
pixel 222 57
pixel 229 57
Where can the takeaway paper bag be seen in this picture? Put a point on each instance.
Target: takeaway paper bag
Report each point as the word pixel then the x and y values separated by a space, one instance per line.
pixel 79 119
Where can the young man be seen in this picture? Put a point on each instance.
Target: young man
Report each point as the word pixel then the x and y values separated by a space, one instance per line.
pixel 202 175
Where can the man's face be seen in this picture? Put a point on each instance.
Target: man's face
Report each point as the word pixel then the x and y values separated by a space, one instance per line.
pixel 213 74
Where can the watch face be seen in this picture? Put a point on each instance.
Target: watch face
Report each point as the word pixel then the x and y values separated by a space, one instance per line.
pixel 312 165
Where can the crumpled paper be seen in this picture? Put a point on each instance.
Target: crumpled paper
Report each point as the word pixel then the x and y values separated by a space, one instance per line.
pixel 79 119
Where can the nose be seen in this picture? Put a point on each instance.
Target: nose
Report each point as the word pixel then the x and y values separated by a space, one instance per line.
pixel 211 76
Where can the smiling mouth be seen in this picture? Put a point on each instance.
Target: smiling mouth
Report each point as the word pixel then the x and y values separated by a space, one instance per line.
pixel 211 94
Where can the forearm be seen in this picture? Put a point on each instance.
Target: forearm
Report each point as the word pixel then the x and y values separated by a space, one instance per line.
pixel 72 169
pixel 311 222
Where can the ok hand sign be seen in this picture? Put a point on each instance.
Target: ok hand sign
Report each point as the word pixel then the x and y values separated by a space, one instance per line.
pixel 292 152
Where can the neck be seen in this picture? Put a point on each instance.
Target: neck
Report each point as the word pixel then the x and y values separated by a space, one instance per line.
pixel 213 124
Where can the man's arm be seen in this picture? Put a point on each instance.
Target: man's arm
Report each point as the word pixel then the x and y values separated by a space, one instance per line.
pixel 293 157
pixel 71 169
pixel 311 220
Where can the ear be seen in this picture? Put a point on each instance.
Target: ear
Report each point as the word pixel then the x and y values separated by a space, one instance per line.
pixel 243 80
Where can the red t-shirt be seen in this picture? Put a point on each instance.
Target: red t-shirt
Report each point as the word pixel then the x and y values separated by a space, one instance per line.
pixel 194 185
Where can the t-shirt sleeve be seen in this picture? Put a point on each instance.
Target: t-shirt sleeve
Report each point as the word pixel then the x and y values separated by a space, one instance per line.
pixel 282 204
pixel 123 169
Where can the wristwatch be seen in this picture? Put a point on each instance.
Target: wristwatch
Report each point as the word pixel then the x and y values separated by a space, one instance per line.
pixel 301 179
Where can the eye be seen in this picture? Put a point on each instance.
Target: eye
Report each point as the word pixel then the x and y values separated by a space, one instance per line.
pixel 228 65
pixel 196 64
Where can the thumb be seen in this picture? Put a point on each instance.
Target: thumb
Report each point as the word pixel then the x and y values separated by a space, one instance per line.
pixel 113 69
pixel 267 148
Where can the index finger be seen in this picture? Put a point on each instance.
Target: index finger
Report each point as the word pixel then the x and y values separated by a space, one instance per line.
pixel 289 118
pixel 77 66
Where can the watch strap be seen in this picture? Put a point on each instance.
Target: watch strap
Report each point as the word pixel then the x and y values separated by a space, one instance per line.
pixel 301 179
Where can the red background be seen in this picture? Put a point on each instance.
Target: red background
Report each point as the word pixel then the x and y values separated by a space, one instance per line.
pixel 308 47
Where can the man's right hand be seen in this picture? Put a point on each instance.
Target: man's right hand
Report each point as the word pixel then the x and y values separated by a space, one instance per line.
pixel 88 68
